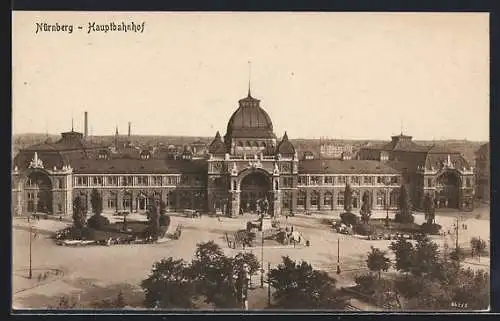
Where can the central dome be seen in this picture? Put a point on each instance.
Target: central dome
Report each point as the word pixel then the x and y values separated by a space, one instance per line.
pixel 250 121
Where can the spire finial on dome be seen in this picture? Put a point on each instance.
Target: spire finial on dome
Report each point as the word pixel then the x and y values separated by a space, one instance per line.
pixel 249 78
pixel 72 126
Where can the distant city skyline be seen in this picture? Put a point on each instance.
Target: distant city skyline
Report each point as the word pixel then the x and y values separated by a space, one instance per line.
pixel 336 75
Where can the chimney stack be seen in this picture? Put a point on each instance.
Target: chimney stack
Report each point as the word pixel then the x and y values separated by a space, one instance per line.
pixel 129 129
pixel 86 125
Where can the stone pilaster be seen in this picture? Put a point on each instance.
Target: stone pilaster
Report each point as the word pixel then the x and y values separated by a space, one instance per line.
pixel 234 203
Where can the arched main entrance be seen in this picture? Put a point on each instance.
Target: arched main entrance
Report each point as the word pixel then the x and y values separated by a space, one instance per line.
pixel 38 189
pixel 447 190
pixel 254 187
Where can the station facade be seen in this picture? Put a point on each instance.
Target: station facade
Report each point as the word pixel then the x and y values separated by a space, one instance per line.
pixel 249 163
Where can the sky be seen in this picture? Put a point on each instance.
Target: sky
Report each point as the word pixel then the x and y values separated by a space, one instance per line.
pixel 336 75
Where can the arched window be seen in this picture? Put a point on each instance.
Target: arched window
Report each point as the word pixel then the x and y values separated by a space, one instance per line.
pixel 355 199
pixel 171 199
pixel 340 199
pixel 314 199
pixel 286 201
pixel 111 201
pixel 381 198
pixel 394 198
pixel 328 200
pixel 301 199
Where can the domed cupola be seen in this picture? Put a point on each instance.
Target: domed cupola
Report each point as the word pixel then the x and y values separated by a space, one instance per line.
pixel 250 121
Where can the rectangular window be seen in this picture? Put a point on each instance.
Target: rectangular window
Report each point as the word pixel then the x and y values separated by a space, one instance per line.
pixel 59 208
pixel 184 180
pixel 157 180
pixel 355 180
pixel 302 180
pixel 368 180
pixel 112 181
pixel 301 200
pixel 468 182
pixel 142 180
pixel 342 180
pixel 129 181
pixel 316 180
pixel 329 180
pixel 97 180
pixel 380 180
pixel 286 181
pixel 429 182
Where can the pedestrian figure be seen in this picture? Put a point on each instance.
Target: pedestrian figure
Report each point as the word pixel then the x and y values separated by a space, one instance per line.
pixel 291 229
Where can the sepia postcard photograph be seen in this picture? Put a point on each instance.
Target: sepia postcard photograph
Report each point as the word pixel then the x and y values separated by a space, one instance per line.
pixel 250 161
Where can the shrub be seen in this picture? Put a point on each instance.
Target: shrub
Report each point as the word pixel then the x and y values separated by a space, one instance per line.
pixel 366 283
pixel 165 220
pixel 97 222
pixel 162 231
pixel 364 229
pixel 432 229
pixel 349 218
pixel 402 218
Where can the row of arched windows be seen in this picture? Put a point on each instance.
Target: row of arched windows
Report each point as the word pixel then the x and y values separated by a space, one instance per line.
pixel 328 199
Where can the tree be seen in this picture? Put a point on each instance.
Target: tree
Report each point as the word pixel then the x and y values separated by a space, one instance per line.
pixel 299 286
pixel 366 209
pixel 79 213
pixel 169 285
pixel 348 198
pixel 153 230
pixel 120 300
pixel 478 245
pixel 96 202
pixel 97 221
pixel 164 219
pixel 213 274
pixel 377 261
pixel 429 210
pixel 404 251
pixel 426 258
pixel 472 289
pixel 404 214
pixel 246 258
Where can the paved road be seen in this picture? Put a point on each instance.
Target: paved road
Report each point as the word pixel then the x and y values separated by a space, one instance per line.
pixel 87 267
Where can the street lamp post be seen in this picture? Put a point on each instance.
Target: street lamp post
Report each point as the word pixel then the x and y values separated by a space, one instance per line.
pixel 30 268
pixel 386 190
pixel 262 255
pixel 268 284
pixel 338 256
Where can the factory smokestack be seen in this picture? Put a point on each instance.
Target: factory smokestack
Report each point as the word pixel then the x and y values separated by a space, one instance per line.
pixel 129 129
pixel 86 124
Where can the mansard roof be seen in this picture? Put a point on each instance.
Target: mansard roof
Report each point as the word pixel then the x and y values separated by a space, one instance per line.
pixel 335 166
pixel 139 166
